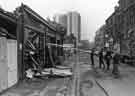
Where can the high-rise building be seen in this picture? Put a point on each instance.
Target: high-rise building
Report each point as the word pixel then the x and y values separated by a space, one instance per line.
pixel 61 19
pixel 74 24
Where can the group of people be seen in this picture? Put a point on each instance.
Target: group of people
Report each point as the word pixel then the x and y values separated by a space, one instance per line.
pixel 105 57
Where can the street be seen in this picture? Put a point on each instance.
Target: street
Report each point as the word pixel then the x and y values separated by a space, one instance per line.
pixel 93 82
pixel 57 48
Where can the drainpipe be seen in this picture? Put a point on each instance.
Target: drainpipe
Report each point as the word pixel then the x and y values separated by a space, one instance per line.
pixel 20 45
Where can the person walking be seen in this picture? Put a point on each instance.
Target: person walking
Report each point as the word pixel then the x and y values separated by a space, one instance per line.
pixel 101 61
pixel 108 58
pixel 92 57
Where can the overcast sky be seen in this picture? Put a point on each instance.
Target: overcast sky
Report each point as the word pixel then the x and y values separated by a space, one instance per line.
pixel 93 12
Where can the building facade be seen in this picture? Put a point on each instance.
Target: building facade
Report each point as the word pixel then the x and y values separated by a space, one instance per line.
pixel 100 41
pixel 121 26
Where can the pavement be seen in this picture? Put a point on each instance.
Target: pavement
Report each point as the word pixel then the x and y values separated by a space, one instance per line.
pixel 93 82
pixel 122 86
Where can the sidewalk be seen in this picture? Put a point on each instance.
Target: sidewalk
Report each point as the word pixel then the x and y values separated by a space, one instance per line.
pixel 122 86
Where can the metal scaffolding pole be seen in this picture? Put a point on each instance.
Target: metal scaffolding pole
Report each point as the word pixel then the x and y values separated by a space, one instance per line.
pixel 76 74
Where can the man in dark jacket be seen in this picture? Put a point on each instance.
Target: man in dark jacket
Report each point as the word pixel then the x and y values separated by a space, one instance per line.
pixel 116 59
pixel 92 57
pixel 101 61
pixel 108 58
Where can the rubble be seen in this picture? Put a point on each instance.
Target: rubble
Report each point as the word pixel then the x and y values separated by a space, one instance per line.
pixel 29 73
pixel 57 71
pixel 60 71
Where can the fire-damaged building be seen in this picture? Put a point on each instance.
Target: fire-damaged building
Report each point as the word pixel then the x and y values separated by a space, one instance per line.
pixel 25 43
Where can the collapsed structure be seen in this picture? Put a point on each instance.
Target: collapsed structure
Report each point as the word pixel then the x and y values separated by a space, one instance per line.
pixel 25 34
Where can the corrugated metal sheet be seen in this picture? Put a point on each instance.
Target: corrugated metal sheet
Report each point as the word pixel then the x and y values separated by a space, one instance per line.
pixel 3 64
pixel 8 63
pixel 12 78
pixel 12 54
pixel 12 62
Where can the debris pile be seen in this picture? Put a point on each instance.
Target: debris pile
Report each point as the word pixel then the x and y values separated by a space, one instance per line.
pixel 57 71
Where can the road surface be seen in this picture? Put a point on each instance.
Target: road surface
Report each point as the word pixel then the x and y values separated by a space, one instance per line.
pixel 92 81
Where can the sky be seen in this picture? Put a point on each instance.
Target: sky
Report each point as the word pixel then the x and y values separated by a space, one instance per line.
pixel 93 12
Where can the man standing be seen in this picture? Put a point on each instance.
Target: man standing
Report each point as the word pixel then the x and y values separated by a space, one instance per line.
pixel 108 58
pixel 92 57
pixel 116 58
pixel 101 61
